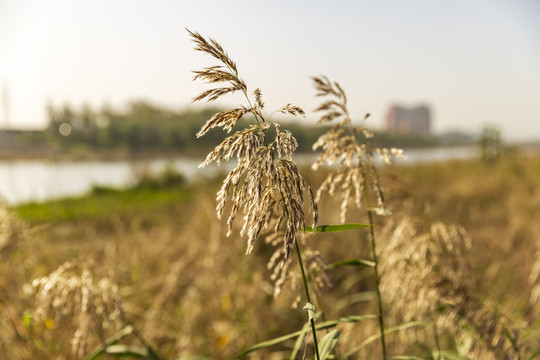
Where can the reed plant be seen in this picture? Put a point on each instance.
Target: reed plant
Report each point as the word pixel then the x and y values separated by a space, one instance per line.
pixel 71 292
pixel 427 276
pixel 255 186
pixel 266 184
pixel 356 176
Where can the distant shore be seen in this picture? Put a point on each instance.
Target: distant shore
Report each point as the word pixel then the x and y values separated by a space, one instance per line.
pixel 87 154
pixel 93 155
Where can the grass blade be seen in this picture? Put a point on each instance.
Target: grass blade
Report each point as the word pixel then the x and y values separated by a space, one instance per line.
pixel 122 351
pixel 299 341
pixel 321 326
pixel 387 331
pixel 534 355
pixel 512 340
pixel 110 341
pixel 452 356
pixel 336 228
pixel 126 350
pixel 353 262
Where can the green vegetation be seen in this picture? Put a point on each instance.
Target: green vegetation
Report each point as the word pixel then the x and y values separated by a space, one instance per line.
pixel 139 127
pixel 490 144
pixel 146 198
pixel 103 203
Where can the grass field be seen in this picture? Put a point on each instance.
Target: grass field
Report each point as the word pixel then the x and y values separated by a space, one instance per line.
pixel 191 292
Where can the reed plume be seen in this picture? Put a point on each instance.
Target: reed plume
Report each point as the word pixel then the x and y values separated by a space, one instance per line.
pixel 426 276
pixel 424 271
pixel 316 266
pixel 349 148
pixel 71 294
pixel 265 185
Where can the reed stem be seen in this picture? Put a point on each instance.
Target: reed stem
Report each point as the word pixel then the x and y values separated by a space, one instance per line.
pixel 308 298
pixel 375 267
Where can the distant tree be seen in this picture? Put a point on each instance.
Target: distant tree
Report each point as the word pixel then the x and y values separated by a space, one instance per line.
pixel 490 143
pixel 141 125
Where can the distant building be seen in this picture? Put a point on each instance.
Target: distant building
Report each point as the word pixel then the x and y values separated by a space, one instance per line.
pixel 409 120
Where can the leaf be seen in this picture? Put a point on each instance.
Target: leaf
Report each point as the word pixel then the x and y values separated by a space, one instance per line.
pixel 126 350
pixel 151 353
pixel 336 228
pixel 380 211
pixel 386 331
pixel 452 356
pixel 27 319
pixel 268 343
pixel 299 341
pixel 110 341
pixel 534 355
pixel 311 310
pixel 132 351
pixel 321 326
pixel 327 343
pixel 353 262
pixel 511 339
pixel 355 298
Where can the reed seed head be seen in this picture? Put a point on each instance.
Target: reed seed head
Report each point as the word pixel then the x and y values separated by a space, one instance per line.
pixel 426 276
pixel 293 110
pixel 213 48
pixel 265 184
pixel 70 292
pixel 227 72
pixel 343 145
pixel 283 273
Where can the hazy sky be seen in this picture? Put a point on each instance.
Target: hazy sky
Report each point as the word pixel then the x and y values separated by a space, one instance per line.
pixel 473 62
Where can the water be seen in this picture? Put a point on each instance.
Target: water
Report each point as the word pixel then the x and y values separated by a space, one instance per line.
pixel 40 180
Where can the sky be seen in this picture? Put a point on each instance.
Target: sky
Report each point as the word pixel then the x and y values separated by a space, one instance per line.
pixel 474 62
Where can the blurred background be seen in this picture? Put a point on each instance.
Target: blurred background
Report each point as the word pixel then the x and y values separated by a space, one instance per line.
pixel 112 80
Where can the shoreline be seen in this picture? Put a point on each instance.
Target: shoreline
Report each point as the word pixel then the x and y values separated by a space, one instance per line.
pixel 90 155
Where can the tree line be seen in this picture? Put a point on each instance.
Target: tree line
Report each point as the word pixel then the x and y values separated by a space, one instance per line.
pixel 142 126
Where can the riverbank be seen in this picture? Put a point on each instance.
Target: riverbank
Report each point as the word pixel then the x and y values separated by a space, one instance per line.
pixel 42 180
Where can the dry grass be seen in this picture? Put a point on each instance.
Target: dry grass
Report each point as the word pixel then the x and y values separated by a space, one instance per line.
pixel 92 308
pixel 458 259
pixel 191 291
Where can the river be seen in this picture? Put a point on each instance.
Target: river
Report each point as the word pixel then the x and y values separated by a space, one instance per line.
pixel 39 180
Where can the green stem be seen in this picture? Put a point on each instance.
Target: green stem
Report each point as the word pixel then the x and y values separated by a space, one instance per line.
pixel 375 267
pixel 437 340
pixel 308 298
